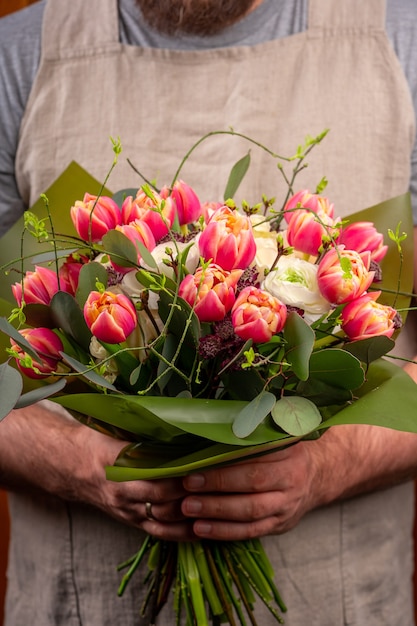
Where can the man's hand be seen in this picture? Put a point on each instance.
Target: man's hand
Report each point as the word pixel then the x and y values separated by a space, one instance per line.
pixel 270 494
pixel 48 451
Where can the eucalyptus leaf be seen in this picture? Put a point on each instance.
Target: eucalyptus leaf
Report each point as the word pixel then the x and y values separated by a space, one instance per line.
pixel 236 176
pixel 90 274
pixel 11 380
pixel 253 414
pixel 47 257
pixel 89 374
pixel 146 255
pixel 36 395
pixel 121 250
pixel 300 339
pixel 68 316
pixel 14 334
pixel 296 415
pixel 38 316
pixel 120 196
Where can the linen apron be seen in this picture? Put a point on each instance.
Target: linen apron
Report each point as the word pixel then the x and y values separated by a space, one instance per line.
pixel 349 563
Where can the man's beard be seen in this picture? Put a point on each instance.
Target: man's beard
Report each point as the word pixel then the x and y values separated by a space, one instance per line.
pixel 193 17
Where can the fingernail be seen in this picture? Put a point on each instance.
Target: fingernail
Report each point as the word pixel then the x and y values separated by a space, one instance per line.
pixel 193 506
pixel 194 481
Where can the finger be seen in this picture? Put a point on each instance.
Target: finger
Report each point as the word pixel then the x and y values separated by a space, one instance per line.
pixel 251 477
pixel 164 512
pixel 233 507
pixel 233 531
pixel 179 531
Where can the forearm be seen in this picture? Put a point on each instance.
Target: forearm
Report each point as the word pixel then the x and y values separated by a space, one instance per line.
pixel 40 449
pixel 356 459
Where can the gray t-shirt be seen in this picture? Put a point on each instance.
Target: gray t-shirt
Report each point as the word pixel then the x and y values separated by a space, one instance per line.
pixel 20 42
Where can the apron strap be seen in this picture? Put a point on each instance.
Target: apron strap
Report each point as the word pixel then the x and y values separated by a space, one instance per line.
pixel 326 15
pixel 82 33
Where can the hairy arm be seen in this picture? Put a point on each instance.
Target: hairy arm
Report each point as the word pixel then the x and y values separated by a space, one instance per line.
pixel 45 450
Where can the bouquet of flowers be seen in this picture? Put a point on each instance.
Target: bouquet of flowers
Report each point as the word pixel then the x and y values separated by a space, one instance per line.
pixel 206 333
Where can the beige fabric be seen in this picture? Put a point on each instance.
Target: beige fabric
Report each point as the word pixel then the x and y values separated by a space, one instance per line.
pixel 350 563
pixel 148 113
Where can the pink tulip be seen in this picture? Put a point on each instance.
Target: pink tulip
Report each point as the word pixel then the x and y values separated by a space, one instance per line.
pixel 93 217
pixel 306 230
pixel 362 236
pixel 137 231
pixel 110 317
pixel 69 272
pixel 38 287
pixel 342 284
pixel 257 315
pixel 364 317
pixel 186 201
pixel 47 344
pixel 306 200
pixel 211 291
pixel 142 207
pixel 228 240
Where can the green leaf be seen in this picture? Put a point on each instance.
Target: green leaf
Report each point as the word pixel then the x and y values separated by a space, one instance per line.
pixel 300 339
pixel 36 395
pixel 90 375
pixel 146 255
pixel 184 322
pixel 371 349
pixel 253 414
pixel 122 251
pixel 38 315
pixel 90 274
pixel 337 368
pixel 14 334
pixel 120 196
pixel 322 394
pixel 68 316
pixel 393 406
pixel 236 176
pixel 11 380
pixel 296 415
pixel 168 350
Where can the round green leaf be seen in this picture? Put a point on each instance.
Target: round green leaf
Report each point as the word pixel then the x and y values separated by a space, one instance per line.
pixel 296 415
pixel 300 339
pixel 253 414
pixel 90 275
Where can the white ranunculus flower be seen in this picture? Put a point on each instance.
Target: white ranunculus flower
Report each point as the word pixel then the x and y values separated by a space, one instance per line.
pixel 159 254
pixel 100 354
pixel 294 282
pixel 145 331
pixel 132 288
pixel 260 224
pixel 266 244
